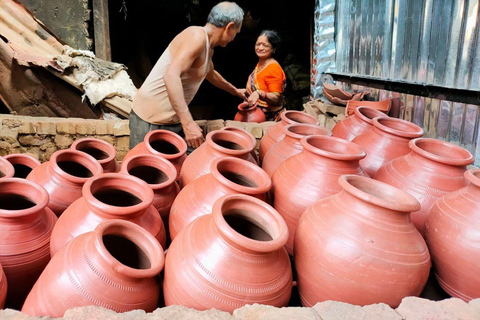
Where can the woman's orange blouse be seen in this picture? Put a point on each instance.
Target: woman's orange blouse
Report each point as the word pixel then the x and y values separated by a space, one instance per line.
pixel 270 79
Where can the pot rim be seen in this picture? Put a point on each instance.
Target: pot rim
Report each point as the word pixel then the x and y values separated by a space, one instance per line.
pixel 367 114
pixel 241 131
pixel 31 190
pixel 391 125
pixel 22 158
pixel 292 130
pixel 245 107
pixel 154 161
pixel 473 176
pixel 98 144
pixel 80 157
pixel 9 169
pixel 232 136
pixel 294 116
pixel 168 136
pixel 465 158
pixel 357 152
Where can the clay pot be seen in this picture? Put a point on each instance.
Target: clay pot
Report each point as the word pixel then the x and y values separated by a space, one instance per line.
pixel 359 246
pixel 275 133
pixel 106 197
pixel 355 125
pixel 386 140
pixel 383 106
pixel 451 231
pixel 63 177
pixel 3 288
pixel 311 175
pixel 25 228
pixel 432 169
pixel 220 143
pixel 160 174
pixel 165 144
pixel 290 144
pixel 6 168
pixel 115 267
pixel 23 164
pixel 248 113
pixel 101 150
pixel 339 97
pixel 230 258
pixel 227 175
pixel 244 132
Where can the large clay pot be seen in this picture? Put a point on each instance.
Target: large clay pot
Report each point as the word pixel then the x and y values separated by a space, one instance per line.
pixel 244 132
pixel 115 267
pixel 230 258
pixel 248 113
pixel 227 175
pixel 26 225
pixel 386 140
pixel 106 197
pixel 220 143
pixel 22 163
pixel 452 233
pixel 101 150
pixel 358 123
pixel 311 175
pixel 290 144
pixel 165 144
pixel 275 133
pixel 432 169
pixel 3 287
pixel 359 246
pixel 160 175
pixel 63 177
pixel 6 168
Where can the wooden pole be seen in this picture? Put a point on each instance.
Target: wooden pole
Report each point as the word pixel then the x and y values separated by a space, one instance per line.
pixel 101 29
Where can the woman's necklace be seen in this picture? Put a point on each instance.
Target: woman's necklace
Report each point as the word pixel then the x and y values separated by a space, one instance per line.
pixel 263 65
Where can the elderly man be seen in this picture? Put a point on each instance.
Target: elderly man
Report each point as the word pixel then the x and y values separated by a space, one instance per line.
pixel 162 101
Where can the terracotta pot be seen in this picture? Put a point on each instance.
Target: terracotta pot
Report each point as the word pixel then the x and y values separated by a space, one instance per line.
pixel 290 144
pixel 227 175
pixel 25 228
pixel 383 106
pixel 165 144
pixel 338 98
pixel 244 132
pixel 386 140
pixel 335 91
pixel 101 150
pixel 220 143
pixel 432 169
pixel 355 125
pixel 3 288
pixel 6 168
pixel 160 175
pixel 311 175
pixel 452 230
pixel 359 246
pixel 248 113
pixel 23 164
pixel 115 267
pixel 230 258
pixel 63 177
pixel 106 197
pixel 275 133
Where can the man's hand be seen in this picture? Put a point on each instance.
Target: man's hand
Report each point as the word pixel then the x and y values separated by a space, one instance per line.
pixel 253 98
pixel 193 134
pixel 242 93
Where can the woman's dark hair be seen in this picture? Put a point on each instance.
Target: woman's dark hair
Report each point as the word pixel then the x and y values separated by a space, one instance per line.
pixel 273 38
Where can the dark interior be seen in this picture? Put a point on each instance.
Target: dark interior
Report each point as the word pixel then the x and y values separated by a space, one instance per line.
pixel 149 174
pixel 238 179
pixel 95 152
pixel 10 201
pixel 75 169
pixel 21 170
pixel 236 219
pixel 116 197
pixel 164 147
pixel 127 252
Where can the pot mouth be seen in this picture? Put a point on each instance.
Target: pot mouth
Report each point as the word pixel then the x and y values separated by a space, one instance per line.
pixel 101 150
pixel 230 142
pixel 333 147
pixel 129 249
pixel 245 107
pixel 118 194
pixel 22 164
pixel 75 166
pixel 299 130
pixel 473 176
pixel 156 171
pixel 166 144
pixel 378 193
pixel 250 223
pixel 293 116
pixel 441 151
pixel 241 131
pixel 6 168
pixel 398 127
pixel 21 197
pixel 241 175
pixel 367 114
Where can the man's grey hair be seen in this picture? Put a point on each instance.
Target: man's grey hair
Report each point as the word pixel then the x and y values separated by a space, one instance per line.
pixel 224 13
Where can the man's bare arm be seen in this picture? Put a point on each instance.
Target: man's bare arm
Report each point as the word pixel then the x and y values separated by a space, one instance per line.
pixel 218 81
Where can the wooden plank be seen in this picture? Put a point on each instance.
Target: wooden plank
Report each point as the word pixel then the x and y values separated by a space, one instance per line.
pixel 101 29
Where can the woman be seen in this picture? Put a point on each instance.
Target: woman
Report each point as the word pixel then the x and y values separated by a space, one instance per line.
pixel 266 83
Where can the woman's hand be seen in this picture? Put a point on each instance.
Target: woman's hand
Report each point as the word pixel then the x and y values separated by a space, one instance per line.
pixel 253 98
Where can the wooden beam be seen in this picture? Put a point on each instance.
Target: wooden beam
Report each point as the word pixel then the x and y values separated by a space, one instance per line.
pixel 101 29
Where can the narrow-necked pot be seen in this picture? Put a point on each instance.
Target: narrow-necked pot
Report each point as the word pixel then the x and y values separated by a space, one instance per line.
pixel 101 150
pixel 356 124
pixel 22 163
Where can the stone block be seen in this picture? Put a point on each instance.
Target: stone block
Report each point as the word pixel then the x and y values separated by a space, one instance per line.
pixel 333 310
pixel 46 127
pixel 85 127
pixel 101 127
pixel 33 140
pixel 122 143
pixel 423 309
pixel 110 126
pixel 12 122
pixel 5 148
pixel 460 309
pixel 213 125
pixel 9 135
pixel 254 128
pixel 107 138
pixel 66 127
pixel 120 128
pixel 237 124
pixel 48 153
pixel 183 313
pixel 266 125
pixel 27 127
pixel 330 123
pixel 121 154
pixel 47 145
pixel 256 311
pixel 63 142
pixel 322 120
